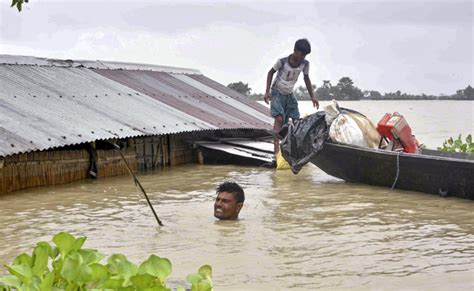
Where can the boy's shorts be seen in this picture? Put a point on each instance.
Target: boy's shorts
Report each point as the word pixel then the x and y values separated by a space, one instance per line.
pixel 284 105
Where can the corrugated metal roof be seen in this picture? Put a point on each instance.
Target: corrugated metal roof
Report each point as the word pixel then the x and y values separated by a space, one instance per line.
pixel 44 106
pixel 229 92
pixel 35 61
pixel 192 97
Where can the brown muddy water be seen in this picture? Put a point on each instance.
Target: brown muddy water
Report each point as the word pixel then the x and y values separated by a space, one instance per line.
pixel 303 232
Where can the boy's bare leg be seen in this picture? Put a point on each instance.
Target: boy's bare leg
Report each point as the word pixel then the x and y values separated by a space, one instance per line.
pixel 277 127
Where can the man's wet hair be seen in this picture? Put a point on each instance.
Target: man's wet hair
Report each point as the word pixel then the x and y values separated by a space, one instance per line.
pixel 234 189
pixel 303 46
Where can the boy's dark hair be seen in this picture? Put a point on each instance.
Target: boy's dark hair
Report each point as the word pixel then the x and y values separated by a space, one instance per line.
pixel 234 189
pixel 303 46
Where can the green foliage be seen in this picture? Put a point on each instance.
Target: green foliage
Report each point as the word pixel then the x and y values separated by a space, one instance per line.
pixel 18 4
pixel 202 280
pixel 256 96
pixel 344 90
pixel 68 266
pixel 301 93
pixel 457 145
pixel 242 88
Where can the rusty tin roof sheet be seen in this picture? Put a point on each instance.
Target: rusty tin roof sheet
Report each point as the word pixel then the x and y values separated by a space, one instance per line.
pixel 44 106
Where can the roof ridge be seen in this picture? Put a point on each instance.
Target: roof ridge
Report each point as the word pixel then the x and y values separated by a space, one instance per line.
pixel 6 59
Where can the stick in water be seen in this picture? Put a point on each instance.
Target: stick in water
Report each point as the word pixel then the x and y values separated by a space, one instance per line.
pixel 137 183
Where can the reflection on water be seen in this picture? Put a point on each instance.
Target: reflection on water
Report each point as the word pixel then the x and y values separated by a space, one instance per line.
pixel 301 232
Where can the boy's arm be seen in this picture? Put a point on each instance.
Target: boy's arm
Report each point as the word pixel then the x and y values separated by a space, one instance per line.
pixel 309 87
pixel 267 97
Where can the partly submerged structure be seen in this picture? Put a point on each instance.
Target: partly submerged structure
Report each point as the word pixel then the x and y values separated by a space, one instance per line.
pixel 59 117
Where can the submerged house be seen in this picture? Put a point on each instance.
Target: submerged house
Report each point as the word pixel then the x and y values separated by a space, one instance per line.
pixel 59 119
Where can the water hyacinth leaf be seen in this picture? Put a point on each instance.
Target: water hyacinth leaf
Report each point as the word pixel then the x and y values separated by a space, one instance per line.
pixel 113 262
pixel 193 279
pixel 206 272
pixel 156 266
pixel 11 281
pixel 55 253
pixel 23 272
pixel 57 266
pixel 47 283
pixel 69 269
pixel 40 260
pixel 23 259
pixel 84 275
pixel 469 139
pixel 120 265
pixel 204 285
pixel 65 243
pixel 90 256
pixel 113 283
pixel 72 287
pixel 458 143
pixel 51 251
pixel 79 243
pixel 75 271
pixel 142 281
pixel 99 272
pixel 127 270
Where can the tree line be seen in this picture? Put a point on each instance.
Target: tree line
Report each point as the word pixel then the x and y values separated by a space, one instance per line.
pixel 346 90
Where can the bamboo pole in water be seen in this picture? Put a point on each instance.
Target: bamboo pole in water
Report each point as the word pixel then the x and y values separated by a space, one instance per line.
pixel 137 183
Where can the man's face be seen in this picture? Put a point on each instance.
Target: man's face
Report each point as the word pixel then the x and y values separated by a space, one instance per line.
pixel 226 206
pixel 299 56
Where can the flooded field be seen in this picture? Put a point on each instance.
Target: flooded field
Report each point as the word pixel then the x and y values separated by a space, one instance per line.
pixel 296 232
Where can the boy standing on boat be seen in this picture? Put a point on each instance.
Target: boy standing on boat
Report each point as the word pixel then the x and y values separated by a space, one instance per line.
pixel 283 103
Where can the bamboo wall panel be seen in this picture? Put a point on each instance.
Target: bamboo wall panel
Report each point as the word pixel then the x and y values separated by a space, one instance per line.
pixel 110 162
pixel 43 168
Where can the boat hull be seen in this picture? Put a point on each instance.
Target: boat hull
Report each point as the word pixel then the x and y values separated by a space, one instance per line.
pixel 437 174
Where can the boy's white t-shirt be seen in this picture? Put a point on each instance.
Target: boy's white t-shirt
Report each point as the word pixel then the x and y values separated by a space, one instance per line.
pixel 287 75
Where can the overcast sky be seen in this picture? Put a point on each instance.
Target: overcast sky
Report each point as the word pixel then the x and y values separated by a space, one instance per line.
pixel 412 46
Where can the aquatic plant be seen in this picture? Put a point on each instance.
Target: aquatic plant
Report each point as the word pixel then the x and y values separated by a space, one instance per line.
pixel 68 266
pixel 458 145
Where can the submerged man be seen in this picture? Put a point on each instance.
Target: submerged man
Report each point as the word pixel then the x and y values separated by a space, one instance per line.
pixel 229 201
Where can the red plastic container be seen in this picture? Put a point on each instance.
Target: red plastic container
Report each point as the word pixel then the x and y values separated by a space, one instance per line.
pixel 395 126
pixel 383 128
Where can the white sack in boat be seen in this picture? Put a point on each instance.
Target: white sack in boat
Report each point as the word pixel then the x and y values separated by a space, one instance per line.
pixel 352 128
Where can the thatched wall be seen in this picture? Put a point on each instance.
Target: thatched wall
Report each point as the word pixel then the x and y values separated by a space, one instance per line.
pixel 59 166
pixel 64 165
pixel 42 168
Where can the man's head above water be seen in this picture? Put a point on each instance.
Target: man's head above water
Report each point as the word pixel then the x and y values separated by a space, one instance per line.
pixel 230 199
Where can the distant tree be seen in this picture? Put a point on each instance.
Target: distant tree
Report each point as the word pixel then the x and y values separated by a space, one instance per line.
pixel 327 84
pixel 325 91
pixel 469 93
pixel 301 93
pixel 240 87
pixel 372 95
pixel 256 96
pixel 18 4
pixel 345 90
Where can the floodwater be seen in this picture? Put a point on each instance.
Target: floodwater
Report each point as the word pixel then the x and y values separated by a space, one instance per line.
pixel 300 232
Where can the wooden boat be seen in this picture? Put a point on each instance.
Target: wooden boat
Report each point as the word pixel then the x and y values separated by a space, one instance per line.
pixel 446 174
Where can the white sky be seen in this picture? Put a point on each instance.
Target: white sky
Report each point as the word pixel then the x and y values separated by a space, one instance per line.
pixel 412 46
